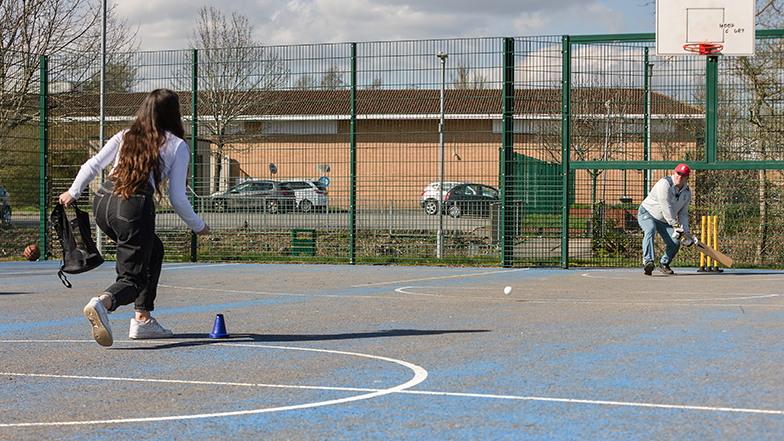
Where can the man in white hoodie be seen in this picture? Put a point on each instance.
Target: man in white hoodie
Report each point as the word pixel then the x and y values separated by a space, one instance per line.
pixel 665 210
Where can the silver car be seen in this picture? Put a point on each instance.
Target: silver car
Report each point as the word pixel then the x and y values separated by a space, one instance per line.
pixel 255 195
pixel 311 194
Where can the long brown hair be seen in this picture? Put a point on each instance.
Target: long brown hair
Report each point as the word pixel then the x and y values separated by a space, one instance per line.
pixel 140 151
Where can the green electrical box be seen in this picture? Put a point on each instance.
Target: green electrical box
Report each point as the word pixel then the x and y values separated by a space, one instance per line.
pixel 303 242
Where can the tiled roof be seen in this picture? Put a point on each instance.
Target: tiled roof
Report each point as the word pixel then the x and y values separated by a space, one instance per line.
pixel 401 102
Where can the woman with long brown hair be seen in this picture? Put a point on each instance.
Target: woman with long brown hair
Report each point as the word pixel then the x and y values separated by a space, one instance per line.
pixel 145 155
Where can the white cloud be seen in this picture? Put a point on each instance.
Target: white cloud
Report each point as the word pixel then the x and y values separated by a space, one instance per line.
pixel 166 25
pixel 612 20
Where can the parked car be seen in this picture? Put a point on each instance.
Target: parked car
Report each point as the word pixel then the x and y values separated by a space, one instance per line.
pixel 430 196
pixel 310 193
pixel 5 205
pixel 474 199
pixel 255 195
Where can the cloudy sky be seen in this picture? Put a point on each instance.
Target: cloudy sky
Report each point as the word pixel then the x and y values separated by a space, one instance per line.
pixel 167 25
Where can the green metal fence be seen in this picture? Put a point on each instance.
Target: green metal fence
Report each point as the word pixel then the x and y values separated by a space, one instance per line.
pixel 20 154
pixel 560 138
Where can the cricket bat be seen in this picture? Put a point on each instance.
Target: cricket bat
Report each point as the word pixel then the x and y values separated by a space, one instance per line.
pixel 713 254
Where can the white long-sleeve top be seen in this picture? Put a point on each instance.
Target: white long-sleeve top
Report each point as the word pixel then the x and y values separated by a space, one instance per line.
pixel 174 156
pixel 667 203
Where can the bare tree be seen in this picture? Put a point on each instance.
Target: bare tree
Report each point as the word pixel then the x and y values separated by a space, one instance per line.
pixel 750 129
pixel 235 75
pixel 305 82
pixel 332 78
pixel 757 132
pixel 770 13
pixel 120 78
pixel 30 28
pixel 463 78
pixel 66 30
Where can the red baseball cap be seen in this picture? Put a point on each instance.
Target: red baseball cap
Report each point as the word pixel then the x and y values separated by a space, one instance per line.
pixel 683 168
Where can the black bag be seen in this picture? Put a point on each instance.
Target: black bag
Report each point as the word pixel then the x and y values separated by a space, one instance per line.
pixel 79 251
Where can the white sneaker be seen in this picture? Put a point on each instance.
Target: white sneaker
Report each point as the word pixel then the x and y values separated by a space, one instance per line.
pixel 98 317
pixel 149 329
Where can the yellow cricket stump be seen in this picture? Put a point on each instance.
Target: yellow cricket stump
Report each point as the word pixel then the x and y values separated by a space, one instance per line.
pixel 709 234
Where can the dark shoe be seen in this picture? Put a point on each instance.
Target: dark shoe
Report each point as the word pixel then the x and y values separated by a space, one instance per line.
pixel 664 268
pixel 648 268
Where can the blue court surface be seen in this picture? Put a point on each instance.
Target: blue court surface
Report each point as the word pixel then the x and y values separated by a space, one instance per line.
pixel 385 352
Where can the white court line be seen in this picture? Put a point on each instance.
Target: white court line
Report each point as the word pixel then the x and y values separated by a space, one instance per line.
pixel 48 271
pixel 195 265
pixel 734 295
pixel 420 375
pixel 453 276
pixel 675 302
pixel 684 272
pixel 405 290
pixel 32 272
pixel 607 403
pixel 264 293
pixel 399 390
pixel 589 302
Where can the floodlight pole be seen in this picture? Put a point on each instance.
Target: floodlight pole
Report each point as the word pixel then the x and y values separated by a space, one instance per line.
pixel 604 173
pixel 440 245
pixel 103 77
pixel 102 123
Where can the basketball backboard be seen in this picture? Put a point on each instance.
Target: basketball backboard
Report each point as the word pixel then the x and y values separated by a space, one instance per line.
pixel 729 23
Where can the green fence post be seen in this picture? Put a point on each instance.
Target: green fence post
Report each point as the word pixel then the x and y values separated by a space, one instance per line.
pixel 507 244
pixel 353 161
pixel 43 183
pixel 566 133
pixel 711 105
pixel 648 70
pixel 194 139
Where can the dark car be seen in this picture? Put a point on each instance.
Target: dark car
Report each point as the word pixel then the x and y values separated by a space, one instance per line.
pixel 476 199
pixel 431 195
pixel 255 195
pixel 5 205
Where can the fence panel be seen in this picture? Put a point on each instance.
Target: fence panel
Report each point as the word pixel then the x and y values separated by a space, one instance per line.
pixel 337 152
pixel 667 114
pixel 21 184
pixel 403 154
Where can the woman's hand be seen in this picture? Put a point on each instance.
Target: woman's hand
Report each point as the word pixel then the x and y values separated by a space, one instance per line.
pixel 205 231
pixel 66 199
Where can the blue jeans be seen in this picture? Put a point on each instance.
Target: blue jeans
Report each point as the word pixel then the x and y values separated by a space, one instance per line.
pixel 131 224
pixel 650 226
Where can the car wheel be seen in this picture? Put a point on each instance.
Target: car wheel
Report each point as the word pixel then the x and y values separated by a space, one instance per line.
pixel 6 215
pixel 273 206
pixel 305 205
pixel 219 205
pixel 431 207
pixel 455 211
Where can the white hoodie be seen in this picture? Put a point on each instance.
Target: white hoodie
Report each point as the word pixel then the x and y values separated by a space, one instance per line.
pixel 669 204
pixel 175 156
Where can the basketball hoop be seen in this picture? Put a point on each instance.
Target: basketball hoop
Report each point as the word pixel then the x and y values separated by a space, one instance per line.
pixel 703 48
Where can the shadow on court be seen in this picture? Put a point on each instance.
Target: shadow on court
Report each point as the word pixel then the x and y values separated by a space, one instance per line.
pixel 203 339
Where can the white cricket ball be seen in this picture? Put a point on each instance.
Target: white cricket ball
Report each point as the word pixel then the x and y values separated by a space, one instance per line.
pixel 508 290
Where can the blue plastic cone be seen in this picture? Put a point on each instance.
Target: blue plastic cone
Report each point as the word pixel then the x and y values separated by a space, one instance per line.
pixel 219 329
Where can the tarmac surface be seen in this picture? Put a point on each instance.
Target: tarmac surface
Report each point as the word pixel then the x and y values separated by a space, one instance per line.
pixel 387 352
